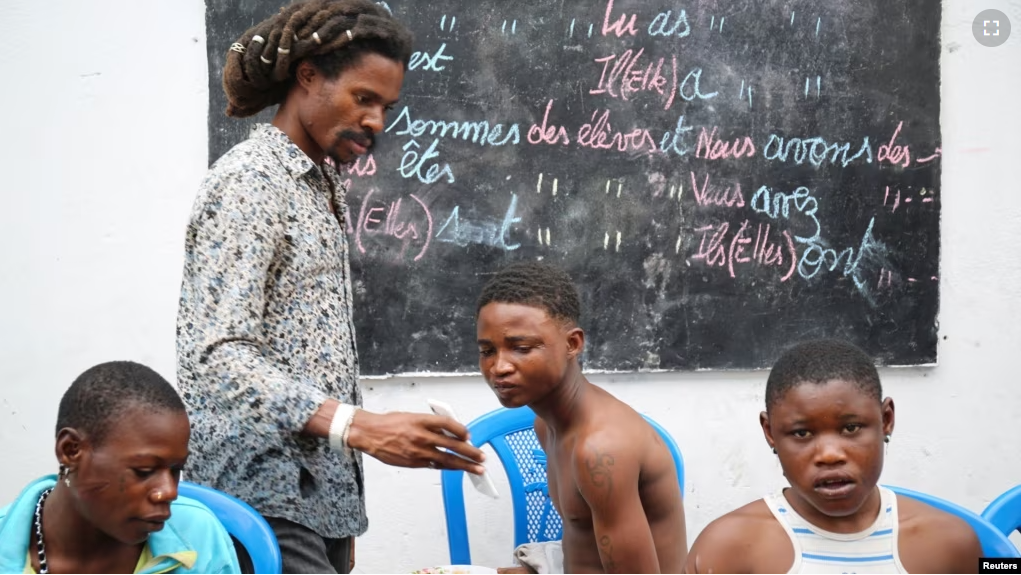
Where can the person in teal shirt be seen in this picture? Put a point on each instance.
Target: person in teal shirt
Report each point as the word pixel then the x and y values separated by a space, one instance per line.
pixel 122 441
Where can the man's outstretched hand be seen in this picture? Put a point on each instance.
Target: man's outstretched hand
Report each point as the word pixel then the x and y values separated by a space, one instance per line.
pixel 413 440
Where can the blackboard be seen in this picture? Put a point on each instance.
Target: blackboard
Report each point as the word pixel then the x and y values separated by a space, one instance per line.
pixel 721 178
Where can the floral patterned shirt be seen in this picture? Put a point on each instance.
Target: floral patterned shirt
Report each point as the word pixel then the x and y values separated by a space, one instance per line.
pixel 265 334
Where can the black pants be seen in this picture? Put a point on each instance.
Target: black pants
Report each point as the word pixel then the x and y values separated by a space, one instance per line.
pixel 304 551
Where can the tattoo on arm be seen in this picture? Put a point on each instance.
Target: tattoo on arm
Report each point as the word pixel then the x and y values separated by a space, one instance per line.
pixel 600 472
pixel 606 551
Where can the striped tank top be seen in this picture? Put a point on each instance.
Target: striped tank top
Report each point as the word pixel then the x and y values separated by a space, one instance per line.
pixel 873 550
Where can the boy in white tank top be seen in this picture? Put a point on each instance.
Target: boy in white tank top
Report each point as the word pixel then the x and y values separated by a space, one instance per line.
pixel 827 423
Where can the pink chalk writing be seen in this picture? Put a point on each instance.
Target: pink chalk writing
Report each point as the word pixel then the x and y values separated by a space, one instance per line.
pixel 765 252
pixel 895 155
pixel 621 26
pixel 712 149
pixel 547 133
pixel 380 221
pixel 927 159
pixel 896 200
pixel 706 195
pixel 623 76
pixel 885 279
pixel 598 134
pixel 361 167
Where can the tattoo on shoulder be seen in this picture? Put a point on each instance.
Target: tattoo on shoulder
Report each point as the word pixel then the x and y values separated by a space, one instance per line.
pixel 600 472
pixel 606 552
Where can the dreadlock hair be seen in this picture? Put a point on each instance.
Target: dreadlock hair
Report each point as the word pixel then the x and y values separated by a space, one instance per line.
pixel 820 361
pixel 331 34
pixel 104 393
pixel 534 284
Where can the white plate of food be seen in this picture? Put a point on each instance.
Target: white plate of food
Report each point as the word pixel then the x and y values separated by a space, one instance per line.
pixel 451 569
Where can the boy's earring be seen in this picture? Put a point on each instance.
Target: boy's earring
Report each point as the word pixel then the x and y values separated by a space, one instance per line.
pixel 887 438
pixel 774 451
pixel 65 473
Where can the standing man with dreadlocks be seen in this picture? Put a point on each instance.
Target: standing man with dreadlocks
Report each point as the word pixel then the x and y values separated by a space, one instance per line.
pixel 266 345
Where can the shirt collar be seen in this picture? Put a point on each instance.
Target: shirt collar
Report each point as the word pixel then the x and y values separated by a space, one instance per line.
pixel 296 161
pixel 167 547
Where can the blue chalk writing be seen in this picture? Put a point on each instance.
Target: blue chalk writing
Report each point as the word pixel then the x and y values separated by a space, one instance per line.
pixel 676 141
pixel 696 92
pixel 443 21
pixel 780 206
pixel 429 63
pixel 817 24
pixel 412 163
pixel 571 34
pixel 818 86
pixel 661 25
pixel 816 151
pixel 462 232
pixel 818 256
pixel 480 132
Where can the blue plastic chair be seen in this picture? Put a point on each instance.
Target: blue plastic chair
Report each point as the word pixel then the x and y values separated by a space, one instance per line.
pixel 1005 511
pixel 511 433
pixel 245 525
pixel 994 543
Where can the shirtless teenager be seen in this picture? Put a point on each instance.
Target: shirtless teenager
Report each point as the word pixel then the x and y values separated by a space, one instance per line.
pixel 828 424
pixel 611 477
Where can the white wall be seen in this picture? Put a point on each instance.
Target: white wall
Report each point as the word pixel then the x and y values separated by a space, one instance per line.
pixel 104 143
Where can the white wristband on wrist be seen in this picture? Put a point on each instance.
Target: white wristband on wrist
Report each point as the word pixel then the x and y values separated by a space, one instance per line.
pixel 340 427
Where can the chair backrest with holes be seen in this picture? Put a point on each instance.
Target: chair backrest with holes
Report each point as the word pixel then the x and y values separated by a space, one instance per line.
pixel 511 434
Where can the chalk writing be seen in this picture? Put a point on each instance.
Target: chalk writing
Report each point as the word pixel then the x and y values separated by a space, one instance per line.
pixel 394 220
pixel 433 63
pixel 712 149
pixel 362 166
pixel 693 137
pixel 546 133
pixel 780 207
pixel 665 24
pixel 412 163
pixel 895 154
pixel 459 231
pixel 598 134
pixel 729 196
pixel 623 79
pixel 816 151
pixel 675 141
pixel 621 26
pixel 730 250
pixel 479 132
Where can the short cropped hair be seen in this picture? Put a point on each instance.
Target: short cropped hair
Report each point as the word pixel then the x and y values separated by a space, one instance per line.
pixel 104 393
pixel 534 284
pixel 819 361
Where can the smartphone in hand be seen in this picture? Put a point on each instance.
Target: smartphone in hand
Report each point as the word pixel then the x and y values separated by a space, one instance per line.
pixel 483 483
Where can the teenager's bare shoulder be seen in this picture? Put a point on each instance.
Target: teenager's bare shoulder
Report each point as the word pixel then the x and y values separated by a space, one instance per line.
pixel 934 541
pixel 746 540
